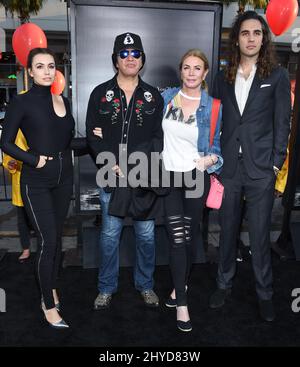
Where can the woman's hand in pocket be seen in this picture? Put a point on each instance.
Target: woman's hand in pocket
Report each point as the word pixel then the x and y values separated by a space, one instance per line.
pixel 43 160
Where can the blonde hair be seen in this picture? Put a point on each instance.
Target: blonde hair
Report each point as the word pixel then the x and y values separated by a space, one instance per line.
pixel 201 55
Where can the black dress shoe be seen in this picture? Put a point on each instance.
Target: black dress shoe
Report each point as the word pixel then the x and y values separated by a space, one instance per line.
pixel 266 310
pixel 218 298
pixel 184 325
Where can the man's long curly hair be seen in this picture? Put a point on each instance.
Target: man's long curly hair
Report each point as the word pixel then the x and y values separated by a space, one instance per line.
pixel 266 60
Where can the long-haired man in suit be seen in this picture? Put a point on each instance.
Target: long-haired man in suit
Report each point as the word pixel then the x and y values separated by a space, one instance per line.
pixel 255 94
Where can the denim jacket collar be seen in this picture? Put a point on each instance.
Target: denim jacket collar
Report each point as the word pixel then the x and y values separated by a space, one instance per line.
pixel 204 98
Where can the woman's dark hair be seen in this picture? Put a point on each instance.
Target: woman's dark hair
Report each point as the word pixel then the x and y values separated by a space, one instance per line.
pixel 38 51
pixel 266 61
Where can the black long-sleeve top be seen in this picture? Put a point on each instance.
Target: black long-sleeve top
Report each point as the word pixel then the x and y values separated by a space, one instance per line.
pixel 137 126
pixel 45 132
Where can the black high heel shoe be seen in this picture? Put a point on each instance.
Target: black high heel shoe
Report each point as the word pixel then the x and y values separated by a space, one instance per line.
pixel 171 302
pixel 184 325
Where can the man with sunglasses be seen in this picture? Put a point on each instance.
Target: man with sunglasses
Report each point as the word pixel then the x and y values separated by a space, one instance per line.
pixel 124 116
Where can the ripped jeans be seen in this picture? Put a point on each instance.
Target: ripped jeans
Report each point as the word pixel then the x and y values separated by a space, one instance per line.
pixel 182 218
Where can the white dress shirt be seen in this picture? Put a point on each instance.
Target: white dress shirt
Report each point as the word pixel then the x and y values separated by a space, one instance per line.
pixel 242 88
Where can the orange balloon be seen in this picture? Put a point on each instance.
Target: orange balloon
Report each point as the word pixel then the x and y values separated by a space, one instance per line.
pixel 59 83
pixel 281 14
pixel 25 38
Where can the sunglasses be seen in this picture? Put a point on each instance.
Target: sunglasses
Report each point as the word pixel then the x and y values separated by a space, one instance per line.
pixel 134 53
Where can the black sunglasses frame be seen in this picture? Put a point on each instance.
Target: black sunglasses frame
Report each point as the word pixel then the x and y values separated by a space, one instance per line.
pixel 134 53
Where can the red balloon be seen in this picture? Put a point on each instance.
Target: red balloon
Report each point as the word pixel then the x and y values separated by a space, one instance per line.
pixel 25 38
pixel 59 83
pixel 293 87
pixel 281 14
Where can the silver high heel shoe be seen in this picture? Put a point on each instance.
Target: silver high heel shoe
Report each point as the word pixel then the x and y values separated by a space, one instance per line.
pixel 58 325
pixel 61 324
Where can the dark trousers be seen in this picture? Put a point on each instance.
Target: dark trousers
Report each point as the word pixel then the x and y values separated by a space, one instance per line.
pixel 23 227
pixel 47 208
pixel 259 196
pixel 183 218
pixel 46 194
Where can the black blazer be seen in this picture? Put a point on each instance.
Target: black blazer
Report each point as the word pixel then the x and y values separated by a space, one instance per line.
pixel 262 130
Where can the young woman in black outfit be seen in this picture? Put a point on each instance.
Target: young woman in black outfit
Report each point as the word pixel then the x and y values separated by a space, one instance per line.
pixel 46 181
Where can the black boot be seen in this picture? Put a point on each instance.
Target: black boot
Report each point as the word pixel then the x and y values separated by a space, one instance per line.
pixel 218 298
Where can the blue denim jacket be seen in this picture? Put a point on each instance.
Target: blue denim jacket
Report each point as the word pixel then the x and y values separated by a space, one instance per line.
pixel 203 121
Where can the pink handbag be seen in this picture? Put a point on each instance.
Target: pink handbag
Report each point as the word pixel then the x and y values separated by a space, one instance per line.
pixel 215 195
pixel 216 191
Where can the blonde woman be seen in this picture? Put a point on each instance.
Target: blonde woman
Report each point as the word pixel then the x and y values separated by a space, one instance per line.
pixel 187 153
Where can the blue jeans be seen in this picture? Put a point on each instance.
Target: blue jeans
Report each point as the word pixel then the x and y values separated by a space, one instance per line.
pixel 109 250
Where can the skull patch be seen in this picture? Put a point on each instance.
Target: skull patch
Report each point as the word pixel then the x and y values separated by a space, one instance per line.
pixel 109 95
pixel 148 96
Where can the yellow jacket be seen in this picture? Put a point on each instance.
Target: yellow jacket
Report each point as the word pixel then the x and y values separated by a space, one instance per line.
pixel 282 175
pixel 16 173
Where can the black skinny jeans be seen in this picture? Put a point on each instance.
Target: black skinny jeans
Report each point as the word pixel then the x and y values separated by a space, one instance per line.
pixel 23 227
pixel 183 218
pixel 46 200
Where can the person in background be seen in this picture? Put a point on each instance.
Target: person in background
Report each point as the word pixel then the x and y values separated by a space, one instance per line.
pixel 282 176
pixel 14 167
